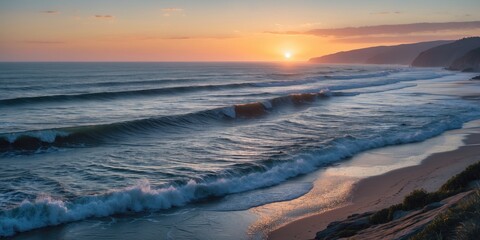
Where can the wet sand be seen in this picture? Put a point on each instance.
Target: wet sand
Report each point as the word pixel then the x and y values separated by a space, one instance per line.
pixel 377 192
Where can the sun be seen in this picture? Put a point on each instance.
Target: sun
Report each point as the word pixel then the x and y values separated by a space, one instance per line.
pixel 287 55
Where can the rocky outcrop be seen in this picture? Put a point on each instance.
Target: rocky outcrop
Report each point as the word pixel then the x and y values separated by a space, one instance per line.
pixel 444 55
pixel 404 225
pixel 399 54
pixel 470 62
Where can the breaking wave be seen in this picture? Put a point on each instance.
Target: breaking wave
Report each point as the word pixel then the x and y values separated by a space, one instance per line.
pixel 96 134
pixel 46 211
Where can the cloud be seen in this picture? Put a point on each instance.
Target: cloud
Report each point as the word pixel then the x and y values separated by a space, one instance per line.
pixel 400 39
pixel 398 29
pixel 385 13
pixel 393 33
pixel 136 37
pixel 98 16
pixel 176 38
pixel 218 37
pixel 50 12
pixel 167 12
pixel 43 42
pixel 170 10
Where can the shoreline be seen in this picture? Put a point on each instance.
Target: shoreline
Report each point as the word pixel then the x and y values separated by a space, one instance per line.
pixel 377 192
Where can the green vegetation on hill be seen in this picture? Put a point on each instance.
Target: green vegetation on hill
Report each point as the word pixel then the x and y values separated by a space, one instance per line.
pixel 420 198
pixel 461 222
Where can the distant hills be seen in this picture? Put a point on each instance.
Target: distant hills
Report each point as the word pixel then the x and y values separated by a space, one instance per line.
pixel 460 55
pixel 446 54
pixel 470 62
pixel 400 54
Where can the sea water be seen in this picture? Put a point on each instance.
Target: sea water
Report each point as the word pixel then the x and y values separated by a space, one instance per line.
pixel 81 141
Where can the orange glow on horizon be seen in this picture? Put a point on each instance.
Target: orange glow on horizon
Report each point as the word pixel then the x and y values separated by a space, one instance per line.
pixel 191 32
pixel 248 47
pixel 253 47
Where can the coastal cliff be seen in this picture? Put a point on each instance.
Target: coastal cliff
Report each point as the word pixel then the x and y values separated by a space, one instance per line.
pixel 470 62
pixel 400 54
pixel 445 55
pixel 460 55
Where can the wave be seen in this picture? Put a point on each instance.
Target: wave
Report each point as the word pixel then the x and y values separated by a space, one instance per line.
pixel 323 77
pixel 46 211
pixel 172 90
pixel 382 88
pixel 82 136
pixel 142 92
pixel 359 76
pixel 359 85
pixel 96 134
pixel 116 95
pixel 109 84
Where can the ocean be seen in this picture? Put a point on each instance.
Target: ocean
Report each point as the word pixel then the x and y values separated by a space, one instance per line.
pixel 105 144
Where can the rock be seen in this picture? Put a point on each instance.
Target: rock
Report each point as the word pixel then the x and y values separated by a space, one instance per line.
pixel 348 227
pixel 432 206
pixel 400 213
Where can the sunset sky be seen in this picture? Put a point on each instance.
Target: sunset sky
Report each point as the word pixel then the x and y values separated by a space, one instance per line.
pixel 195 30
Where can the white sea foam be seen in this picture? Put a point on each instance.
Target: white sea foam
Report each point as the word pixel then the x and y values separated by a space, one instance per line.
pixel 267 104
pixel 322 77
pixel 46 211
pixel 229 111
pixel 48 136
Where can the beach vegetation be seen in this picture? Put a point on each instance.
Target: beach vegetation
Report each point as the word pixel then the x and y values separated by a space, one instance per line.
pixel 460 222
pixel 460 182
pixel 420 198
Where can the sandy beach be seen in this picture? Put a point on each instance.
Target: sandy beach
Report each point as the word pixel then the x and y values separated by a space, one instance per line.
pixel 377 192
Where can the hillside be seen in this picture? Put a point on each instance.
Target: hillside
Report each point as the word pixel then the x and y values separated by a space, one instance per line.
pixel 469 62
pixel 421 215
pixel 445 55
pixel 399 54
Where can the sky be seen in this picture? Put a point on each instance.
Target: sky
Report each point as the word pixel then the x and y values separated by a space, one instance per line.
pixel 221 30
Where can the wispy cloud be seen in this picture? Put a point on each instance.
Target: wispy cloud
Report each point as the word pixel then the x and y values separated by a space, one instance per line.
pixel 385 13
pixel 42 42
pixel 397 29
pixel 172 10
pixel 401 39
pixel 98 16
pixel 379 13
pixel 393 33
pixel 386 30
pixel 167 12
pixel 198 37
pixel 279 27
pixel 187 37
pixel 130 38
pixel 50 12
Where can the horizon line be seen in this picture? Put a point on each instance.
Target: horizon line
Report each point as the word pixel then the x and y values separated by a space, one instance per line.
pixel 219 61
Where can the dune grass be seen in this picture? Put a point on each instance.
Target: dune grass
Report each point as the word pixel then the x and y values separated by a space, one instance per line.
pixel 462 221
pixel 421 198
pixel 459 222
